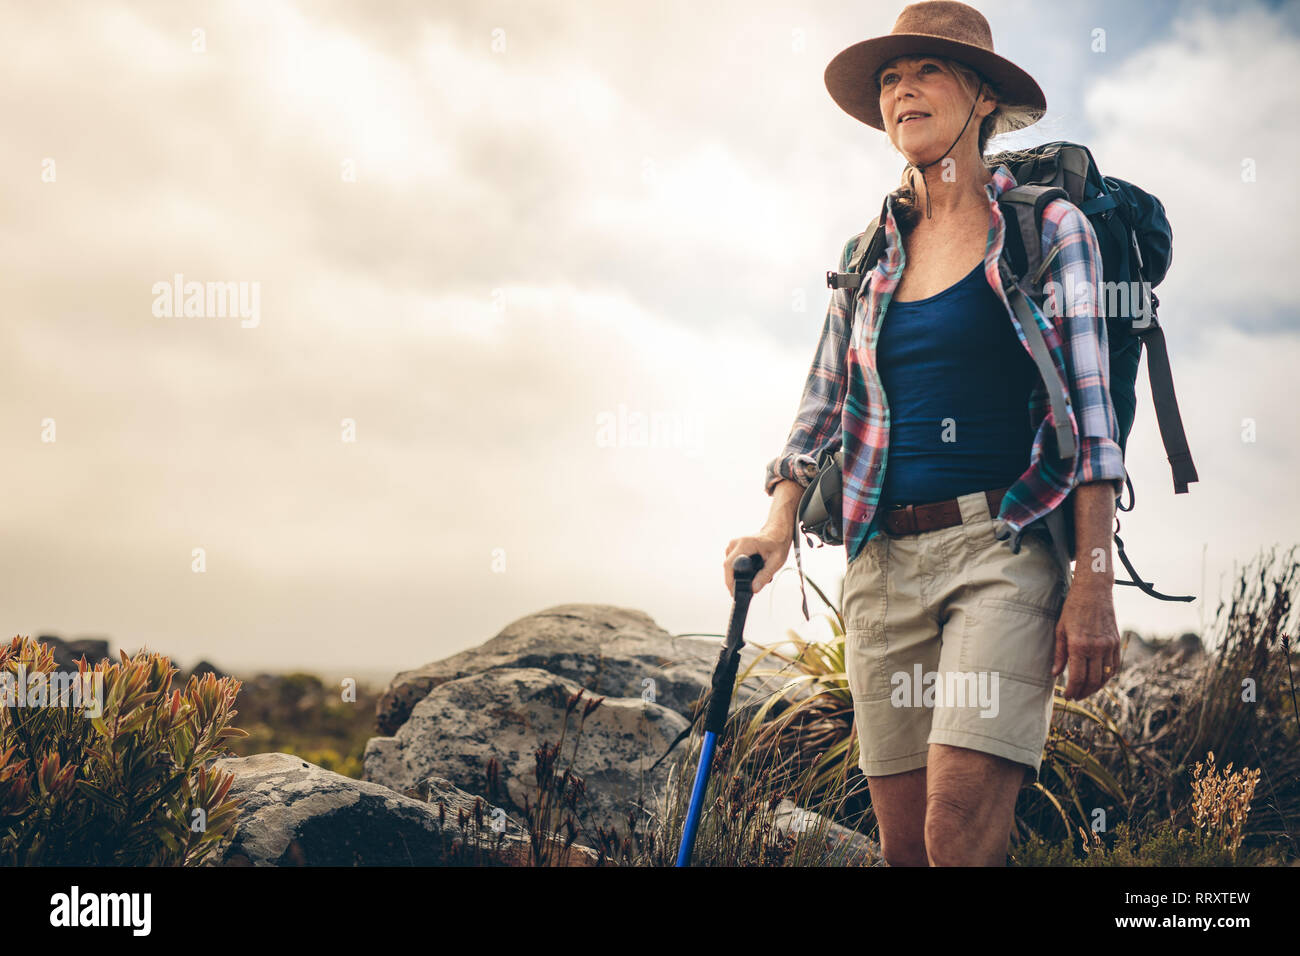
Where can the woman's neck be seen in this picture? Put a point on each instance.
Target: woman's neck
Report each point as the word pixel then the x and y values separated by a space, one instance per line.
pixel 954 194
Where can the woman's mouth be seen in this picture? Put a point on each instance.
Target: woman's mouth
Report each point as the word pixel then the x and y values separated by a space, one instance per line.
pixel 912 117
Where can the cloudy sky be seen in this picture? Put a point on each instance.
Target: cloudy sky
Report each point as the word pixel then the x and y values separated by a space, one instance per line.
pixel 485 239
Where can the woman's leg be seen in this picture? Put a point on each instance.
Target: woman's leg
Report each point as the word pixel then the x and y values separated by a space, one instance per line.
pixel 986 739
pixel 899 803
pixel 970 805
pixel 890 634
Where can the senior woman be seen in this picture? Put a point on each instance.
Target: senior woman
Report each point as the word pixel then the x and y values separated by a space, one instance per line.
pixel 953 581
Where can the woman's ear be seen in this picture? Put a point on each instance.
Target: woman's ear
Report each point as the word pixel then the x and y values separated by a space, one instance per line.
pixel 988 98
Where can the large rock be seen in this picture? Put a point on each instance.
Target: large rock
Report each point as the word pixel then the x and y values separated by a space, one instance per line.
pixel 204 667
pixel 67 653
pixel 297 814
pixel 508 714
pixel 1136 651
pixel 613 651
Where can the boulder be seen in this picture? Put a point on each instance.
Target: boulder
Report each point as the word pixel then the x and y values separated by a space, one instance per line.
pixel 1134 649
pixel 1187 646
pixel 1137 651
pixel 611 651
pixel 67 653
pixel 297 814
pixel 202 668
pixel 507 714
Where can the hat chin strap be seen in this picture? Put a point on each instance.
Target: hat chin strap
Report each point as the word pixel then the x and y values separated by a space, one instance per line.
pixel 922 169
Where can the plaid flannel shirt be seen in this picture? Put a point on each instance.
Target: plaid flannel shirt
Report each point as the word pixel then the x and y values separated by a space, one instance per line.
pixel 843 396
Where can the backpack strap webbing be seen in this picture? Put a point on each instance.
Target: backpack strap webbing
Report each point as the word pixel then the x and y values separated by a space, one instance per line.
pixel 799 564
pixel 1025 205
pixel 1167 414
pixel 1057 396
pixel 1144 586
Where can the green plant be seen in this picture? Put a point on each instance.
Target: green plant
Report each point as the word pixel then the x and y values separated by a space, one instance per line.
pixel 1128 749
pixel 1164 845
pixel 803 731
pixel 1082 778
pixel 1220 805
pixel 132 786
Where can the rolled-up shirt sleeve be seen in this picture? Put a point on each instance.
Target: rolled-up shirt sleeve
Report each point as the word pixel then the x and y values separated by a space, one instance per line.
pixel 1074 293
pixel 819 417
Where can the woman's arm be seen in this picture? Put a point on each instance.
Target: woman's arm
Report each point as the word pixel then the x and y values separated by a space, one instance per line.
pixel 1086 634
pixel 1073 289
pixel 819 418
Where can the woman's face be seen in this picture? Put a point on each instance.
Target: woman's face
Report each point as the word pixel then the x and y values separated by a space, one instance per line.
pixel 924 105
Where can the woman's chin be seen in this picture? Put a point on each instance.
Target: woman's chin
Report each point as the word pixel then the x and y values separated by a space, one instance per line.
pixel 920 154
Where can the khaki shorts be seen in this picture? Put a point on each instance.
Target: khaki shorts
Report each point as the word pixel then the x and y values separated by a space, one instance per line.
pixel 950 640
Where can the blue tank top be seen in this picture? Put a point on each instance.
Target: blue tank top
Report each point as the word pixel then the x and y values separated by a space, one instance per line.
pixel 957 381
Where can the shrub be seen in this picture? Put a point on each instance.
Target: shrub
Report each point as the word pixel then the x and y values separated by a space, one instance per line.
pixel 132 786
pixel 1238 702
pixel 1220 806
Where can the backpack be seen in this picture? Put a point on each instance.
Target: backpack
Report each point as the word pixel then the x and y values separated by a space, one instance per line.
pixel 1135 240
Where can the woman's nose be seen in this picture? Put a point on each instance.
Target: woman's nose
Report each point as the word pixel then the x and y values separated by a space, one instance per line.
pixel 904 91
pixel 905 88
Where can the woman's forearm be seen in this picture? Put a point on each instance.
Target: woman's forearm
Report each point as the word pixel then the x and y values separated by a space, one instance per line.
pixel 785 503
pixel 1094 519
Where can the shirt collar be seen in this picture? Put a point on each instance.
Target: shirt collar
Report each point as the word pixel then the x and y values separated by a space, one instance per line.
pixel 1002 181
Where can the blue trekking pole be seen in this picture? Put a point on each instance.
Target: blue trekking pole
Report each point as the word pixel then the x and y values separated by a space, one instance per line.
pixel 724 679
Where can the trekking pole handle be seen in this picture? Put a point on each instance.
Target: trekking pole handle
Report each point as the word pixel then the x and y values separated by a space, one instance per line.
pixel 744 568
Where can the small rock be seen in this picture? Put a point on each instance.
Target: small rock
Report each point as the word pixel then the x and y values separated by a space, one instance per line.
pixel 842 846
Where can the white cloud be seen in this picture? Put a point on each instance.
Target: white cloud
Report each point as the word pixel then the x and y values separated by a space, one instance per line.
pixel 1179 119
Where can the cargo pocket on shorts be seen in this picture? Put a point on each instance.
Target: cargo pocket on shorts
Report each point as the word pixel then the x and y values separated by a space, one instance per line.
pixel 864 607
pixel 1014 640
pixel 864 663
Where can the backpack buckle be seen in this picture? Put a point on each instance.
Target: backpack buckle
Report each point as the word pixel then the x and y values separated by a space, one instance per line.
pixel 1005 274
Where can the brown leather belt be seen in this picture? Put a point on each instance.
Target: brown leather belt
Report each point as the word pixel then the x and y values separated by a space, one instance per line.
pixel 918 519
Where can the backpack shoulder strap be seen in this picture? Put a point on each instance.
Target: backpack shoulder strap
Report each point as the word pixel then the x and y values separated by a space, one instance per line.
pixel 1023 206
pixel 1166 402
pixel 851 280
pixel 1058 395
pixel 870 246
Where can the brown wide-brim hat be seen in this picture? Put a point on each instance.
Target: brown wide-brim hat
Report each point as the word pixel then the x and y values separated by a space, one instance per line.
pixel 932 28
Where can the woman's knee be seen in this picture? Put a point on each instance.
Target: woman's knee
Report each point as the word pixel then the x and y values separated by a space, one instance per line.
pixel 969 805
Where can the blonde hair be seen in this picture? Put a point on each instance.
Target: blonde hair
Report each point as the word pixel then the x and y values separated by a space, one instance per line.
pixel 1005 118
